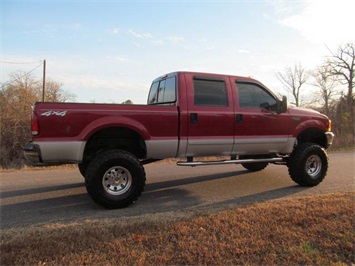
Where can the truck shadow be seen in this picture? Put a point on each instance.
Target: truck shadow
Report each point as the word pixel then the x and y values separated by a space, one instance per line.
pixel 17 193
pixel 70 203
pixel 192 180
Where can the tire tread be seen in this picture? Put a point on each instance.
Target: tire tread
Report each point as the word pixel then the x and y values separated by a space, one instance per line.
pixel 92 180
pixel 296 164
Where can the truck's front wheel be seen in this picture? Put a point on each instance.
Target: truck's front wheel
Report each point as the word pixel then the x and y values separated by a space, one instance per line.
pixel 308 164
pixel 253 167
pixel 115 179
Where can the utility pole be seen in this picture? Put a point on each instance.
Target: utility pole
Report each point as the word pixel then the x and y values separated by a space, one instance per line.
pixel 44 79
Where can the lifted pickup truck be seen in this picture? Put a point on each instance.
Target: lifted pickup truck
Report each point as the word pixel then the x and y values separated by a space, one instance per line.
pixel 187 115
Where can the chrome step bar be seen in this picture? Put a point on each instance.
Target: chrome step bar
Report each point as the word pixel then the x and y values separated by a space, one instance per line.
pixel 202 163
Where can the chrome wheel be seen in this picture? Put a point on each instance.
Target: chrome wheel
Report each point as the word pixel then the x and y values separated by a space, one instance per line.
pixel 308 164
pixel 313 166
pixel 117 180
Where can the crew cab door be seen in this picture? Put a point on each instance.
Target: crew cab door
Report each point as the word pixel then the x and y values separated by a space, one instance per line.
pixel 259 129
pixel 210 116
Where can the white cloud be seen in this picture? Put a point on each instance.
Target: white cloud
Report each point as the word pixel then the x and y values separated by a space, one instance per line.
pixel 324 22
pixel 284 7
pixel 116 58
pixel 210 48
pixel 138 45
pixel 158 43
pixel 145 35
pixel 102 88
pixel 175 39
pixel 76 26
pixel 243 51
pixel 114 31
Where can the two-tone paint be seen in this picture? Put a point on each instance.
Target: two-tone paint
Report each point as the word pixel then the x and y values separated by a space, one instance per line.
pixel 61 131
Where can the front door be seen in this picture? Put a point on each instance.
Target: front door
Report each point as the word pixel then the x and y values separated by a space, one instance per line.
pixel 258 128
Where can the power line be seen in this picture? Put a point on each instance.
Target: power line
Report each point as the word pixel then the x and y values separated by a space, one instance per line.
pixel 34 68
pixel 18 63
pixel 24 75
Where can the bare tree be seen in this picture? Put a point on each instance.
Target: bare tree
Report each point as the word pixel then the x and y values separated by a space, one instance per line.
pixel 342 64
pixel 326 84
pixel 16 99
pixel 293 78
pixel 55 93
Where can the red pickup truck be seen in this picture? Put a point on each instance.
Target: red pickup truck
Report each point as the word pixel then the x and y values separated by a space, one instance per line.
pixel 187 115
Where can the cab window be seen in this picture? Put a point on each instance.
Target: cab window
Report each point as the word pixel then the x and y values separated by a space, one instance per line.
pixel 153 94
pixel 252 95
pixel 162 91
pixel 210 92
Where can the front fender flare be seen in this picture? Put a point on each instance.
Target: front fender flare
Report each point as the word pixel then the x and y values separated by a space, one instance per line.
pixel 308 124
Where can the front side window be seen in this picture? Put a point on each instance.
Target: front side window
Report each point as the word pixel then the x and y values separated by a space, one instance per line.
pixel 252 95
pixel 210 92
pixel 162 91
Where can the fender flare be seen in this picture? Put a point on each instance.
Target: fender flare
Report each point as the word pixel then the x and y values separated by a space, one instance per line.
pixel 309 124
pixel 106 122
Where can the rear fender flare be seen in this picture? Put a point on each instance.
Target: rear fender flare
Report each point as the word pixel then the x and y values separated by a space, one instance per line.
pixel 107 122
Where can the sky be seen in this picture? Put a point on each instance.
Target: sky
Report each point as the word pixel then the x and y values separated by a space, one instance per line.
pixel 110 51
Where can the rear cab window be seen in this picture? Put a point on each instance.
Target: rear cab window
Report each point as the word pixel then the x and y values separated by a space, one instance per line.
pixel 163 91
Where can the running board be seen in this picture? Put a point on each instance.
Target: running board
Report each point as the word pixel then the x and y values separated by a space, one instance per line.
pixel 201 163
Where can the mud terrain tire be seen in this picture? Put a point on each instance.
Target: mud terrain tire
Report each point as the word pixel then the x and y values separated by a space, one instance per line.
pixel 115 179
pixel 308 164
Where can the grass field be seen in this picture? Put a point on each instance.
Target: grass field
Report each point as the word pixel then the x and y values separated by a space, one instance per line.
pixel 318 230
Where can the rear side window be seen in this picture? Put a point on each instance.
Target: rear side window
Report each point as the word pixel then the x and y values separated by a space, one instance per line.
pixel 162 91
pixel 208 92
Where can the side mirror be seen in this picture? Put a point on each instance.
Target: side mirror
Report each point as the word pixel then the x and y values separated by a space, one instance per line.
pixel 282 106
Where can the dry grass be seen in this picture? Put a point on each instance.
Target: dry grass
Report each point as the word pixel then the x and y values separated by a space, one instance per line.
pixel 39 168
pixel 312 230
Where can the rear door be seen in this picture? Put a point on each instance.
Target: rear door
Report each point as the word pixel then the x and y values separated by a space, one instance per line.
pixel 210 115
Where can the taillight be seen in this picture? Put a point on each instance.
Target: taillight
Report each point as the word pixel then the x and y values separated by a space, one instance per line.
pixel 34 124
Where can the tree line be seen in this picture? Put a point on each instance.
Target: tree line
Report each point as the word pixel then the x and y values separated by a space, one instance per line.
pixel 332 93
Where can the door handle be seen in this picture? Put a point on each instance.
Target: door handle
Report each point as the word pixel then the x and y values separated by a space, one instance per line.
pixel 193 118
pixel 239 118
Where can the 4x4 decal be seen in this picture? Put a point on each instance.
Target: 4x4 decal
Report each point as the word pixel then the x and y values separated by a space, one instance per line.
pixel 56 113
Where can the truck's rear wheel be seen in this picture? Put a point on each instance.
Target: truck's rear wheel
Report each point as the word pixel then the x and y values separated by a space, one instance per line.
pixel 308 164
pixel 115 179
pixel 82 168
